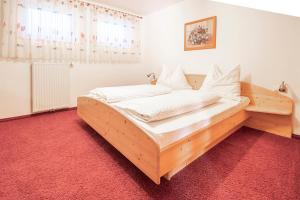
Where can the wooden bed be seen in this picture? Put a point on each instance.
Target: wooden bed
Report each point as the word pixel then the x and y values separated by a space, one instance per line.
pixel 164 155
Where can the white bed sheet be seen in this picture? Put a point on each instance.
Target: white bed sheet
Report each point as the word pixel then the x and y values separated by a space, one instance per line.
pixel 193 120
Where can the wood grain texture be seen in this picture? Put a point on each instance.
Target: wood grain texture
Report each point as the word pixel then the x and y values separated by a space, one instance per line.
pixel 143 149
pixel 175 158
pixel 136 145
pixel 166 154
pixel 195 80
pixel 266 101
pixel 261 99
pixel 167 140
pixel 270 111
pixel 277 124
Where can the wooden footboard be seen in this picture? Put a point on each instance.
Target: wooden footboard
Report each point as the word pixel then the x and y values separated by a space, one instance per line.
pixel 138 147
pixel 146 151
pixel 178 156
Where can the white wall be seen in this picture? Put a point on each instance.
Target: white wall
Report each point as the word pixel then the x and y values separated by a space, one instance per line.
pixel 14 89
pixel 15 94
pixel 266 45
pixel 87 77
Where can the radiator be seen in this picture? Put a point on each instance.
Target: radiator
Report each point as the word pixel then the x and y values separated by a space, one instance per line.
pixel 50 86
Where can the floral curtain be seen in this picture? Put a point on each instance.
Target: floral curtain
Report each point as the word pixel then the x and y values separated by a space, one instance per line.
pixel 67 31
pixel 114 36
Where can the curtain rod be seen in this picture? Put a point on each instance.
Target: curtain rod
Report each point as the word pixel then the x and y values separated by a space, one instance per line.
pixel 110 8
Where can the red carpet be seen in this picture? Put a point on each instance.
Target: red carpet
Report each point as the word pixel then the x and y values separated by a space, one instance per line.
pixel 57 156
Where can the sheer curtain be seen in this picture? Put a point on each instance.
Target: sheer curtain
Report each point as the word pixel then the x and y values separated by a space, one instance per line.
pixel 114 36
pixel 67 31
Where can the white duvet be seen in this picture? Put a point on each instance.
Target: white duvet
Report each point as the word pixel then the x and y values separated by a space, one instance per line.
pixel 168 105
pixel 122 93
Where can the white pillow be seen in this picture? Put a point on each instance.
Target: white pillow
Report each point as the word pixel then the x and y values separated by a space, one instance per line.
pixel 164 75
pixel 226 84
pixel 213 75
pixel 175 80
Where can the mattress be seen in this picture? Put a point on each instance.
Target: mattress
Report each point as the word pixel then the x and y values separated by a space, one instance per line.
pixel 188 122
pixel 192 121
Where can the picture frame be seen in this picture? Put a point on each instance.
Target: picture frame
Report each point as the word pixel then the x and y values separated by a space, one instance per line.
pixel 200 34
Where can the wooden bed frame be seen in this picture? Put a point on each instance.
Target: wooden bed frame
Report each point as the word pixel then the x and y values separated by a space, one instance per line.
pixel 164 155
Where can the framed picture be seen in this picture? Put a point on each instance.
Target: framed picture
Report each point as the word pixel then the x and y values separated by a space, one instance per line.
pixel 200 34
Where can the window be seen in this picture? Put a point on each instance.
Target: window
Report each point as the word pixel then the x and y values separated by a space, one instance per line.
pixel 68 31
pixel 49 26
pixel 115 34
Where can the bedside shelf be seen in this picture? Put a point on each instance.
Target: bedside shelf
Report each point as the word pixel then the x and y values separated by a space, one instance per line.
pixel 270 111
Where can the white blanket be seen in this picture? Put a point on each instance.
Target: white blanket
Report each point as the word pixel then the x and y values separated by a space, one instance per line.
pixel 121 93
pixel 168 105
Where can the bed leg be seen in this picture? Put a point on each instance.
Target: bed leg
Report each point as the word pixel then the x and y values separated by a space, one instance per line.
pixel 171 173
pixel 168 177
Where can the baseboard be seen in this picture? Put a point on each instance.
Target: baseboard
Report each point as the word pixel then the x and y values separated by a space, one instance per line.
pixel 35 114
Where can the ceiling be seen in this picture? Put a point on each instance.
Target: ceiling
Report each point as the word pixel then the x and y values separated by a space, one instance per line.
pixel 140 7
pixel 287 7
pixel 144 7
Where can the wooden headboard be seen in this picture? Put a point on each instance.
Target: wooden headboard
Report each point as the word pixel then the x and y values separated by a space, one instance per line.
pixel 195 80
pixel 270 110
pixel 263 99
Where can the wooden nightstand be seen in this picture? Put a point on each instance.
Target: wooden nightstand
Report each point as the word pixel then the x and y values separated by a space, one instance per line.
pixel 270 111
